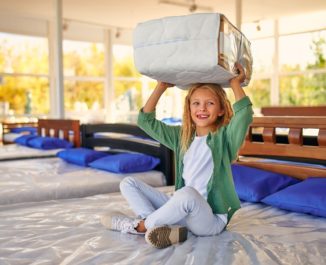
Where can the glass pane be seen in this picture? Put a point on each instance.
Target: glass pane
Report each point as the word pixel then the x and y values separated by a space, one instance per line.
pixel 262 52
pixel 83 58
pixel 259 92
pixel 303 90
pixel 128 100
pixel 24 95
pixel 23 54
pixel 83 96
pixel 303 51
pixel 123 61
pixel 171 103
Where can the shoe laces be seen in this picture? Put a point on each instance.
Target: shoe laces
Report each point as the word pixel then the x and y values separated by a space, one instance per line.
pixel 125 224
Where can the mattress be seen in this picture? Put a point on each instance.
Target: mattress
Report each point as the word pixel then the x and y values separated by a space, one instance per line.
pixel 11 137
pixel 69 232
pixel 52 178
pixel 15 151
pixel 197 48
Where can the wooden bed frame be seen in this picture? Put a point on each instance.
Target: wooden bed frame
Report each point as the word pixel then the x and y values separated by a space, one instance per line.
pixel 8 126
pixel 127 137
pixel 294 111
pixel 65 129
pixel 294 146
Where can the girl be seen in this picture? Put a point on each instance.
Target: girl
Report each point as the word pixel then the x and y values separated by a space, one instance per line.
pixel 205 145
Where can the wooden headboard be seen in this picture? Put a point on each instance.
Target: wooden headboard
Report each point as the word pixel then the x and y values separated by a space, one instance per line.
pixel 66 129
pixel 8 126
pixel 119 137
pixel 301 139
pixel 294 111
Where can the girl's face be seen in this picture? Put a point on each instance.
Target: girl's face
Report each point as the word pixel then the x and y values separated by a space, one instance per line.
pixel 205 109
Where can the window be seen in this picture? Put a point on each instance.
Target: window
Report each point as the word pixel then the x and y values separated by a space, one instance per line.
pixel 24 83
pixel 302 51
pixel 303 90
pixel 259 92
pixel 128 86
pixel 301 62
pixel 303 69
pixel 84 80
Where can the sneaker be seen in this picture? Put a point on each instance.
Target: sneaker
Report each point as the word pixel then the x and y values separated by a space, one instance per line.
pixel 164 236
pixel 120 223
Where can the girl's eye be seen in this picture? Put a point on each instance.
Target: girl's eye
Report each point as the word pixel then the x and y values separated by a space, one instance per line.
pixel 210 103
pixel 195 103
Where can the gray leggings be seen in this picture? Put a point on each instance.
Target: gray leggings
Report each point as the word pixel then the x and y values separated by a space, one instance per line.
pixel 186 207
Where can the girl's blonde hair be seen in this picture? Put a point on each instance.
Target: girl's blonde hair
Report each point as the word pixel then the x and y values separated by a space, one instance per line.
pixel 188 127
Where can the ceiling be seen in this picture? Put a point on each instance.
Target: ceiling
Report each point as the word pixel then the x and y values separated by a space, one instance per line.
pixel 126 14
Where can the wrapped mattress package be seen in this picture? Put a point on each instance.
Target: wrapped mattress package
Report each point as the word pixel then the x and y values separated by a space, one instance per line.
pixel 196 48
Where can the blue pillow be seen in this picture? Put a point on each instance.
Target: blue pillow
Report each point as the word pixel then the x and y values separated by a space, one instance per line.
pixel 23 140
pixel 31 130
pixel 254 184
pixel 126 163
pixel 308 196
pixel 172 121
pixel 47 143
pixel 80 156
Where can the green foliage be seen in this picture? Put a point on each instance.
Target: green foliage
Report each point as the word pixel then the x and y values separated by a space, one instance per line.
pixel 88 62
pixel 318 47
pixel 15 89
pixel 259 92
pixel 88 92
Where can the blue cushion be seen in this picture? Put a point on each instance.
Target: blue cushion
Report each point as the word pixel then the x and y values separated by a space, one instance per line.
pixel 308 196
pixel 23 140
pixel 31 130
pixel 254 184
pixel 80 156
pixel 172 121
pixel 126 163
pixel 41 142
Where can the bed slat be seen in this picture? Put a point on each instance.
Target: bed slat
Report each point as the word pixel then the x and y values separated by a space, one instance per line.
pixel 269 135
pixel 295 136
pixel 322 137
pixel 57 127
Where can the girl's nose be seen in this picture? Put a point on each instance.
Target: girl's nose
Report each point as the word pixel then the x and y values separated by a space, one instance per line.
pixel 202 107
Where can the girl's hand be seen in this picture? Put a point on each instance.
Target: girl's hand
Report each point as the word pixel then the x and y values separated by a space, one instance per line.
pixel 236 81
pixel 240 78
pixel 163 85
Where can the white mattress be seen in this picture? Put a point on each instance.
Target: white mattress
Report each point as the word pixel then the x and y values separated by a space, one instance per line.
pixel 11 137
pixel 52 178
pixel 69 232
pixel 15 151
pixel 196 48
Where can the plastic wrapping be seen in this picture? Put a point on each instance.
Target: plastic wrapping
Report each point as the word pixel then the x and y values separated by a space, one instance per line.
pixel 233 47
pixel 69 232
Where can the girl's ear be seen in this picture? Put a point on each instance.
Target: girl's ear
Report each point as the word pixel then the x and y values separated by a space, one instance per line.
pixel 221 113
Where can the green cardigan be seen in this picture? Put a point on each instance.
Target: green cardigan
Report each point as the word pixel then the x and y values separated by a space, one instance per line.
pixel 224 144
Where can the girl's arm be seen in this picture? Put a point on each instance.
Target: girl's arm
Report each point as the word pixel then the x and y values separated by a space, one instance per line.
pixel 163 133
pixel 155 96
pixel 243 113
pixel 235 83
